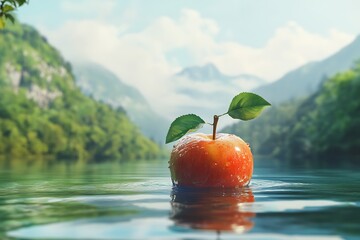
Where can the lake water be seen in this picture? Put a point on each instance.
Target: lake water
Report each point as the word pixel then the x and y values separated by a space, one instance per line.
pixel 135 200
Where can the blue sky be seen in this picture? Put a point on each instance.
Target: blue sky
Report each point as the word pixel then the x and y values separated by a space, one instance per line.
pixel 147 41
pixel 248 21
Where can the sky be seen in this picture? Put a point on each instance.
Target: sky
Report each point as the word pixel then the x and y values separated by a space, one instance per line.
pixel 145 42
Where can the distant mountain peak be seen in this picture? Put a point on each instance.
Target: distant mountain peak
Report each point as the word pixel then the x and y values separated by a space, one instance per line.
pixel 99 82
pixel 207 72
pixel 306 79
pixel 211 68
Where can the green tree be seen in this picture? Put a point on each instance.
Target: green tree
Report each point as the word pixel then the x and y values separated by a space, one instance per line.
pixel 315 130
pixel 7 7
pixel 43 113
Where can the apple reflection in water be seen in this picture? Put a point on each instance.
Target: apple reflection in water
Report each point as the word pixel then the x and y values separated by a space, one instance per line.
pixel 217 210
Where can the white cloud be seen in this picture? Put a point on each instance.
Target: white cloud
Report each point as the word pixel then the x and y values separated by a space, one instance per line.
pixel 140 58
pixel 290 46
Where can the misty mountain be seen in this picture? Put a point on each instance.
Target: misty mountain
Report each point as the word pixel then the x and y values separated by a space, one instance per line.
pixel 102 84
pixel 43 114
pixel 306 79
pixel 206 90
pixel 209 72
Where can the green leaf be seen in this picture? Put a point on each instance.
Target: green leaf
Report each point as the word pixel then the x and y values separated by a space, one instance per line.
pixel 20 2
pixel 7 8
pixel 182 125
pixel 2 22
pixel 246 106
pixel 10 17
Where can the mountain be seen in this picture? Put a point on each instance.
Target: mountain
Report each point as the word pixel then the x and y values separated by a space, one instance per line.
pixel 320 130
pixel 44 114
pixel 103 85
pixel 203 73
pixel 316 117
pixel 325 126
pixel 206 90
pixel 306 79
pixel 209 72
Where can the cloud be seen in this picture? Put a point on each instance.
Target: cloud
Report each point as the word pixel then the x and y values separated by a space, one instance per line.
pixel 289 47
pixel 140 58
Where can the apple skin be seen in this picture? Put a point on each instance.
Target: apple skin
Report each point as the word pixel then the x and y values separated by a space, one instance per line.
pixel 199 161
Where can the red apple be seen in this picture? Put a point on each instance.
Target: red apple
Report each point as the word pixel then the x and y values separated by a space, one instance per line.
pixel 199 161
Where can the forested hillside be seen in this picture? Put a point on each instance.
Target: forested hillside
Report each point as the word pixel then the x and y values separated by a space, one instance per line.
pixel 43 113
pixel 103 85
pixel 321 128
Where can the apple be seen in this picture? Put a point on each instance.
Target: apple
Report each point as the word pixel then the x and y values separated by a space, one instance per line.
pixel 217 160
pixel 199 161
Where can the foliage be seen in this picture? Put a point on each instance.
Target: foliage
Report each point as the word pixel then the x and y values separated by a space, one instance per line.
pixel 244 106
pixel 43 113
pixel 257 132
pixel 103 85
pixel 7 7
pixel 247 106
pixel 182 125
pixel 323 126
pixel 327 122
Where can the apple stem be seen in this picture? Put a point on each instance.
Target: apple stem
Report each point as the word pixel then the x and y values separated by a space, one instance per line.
pixel 216 119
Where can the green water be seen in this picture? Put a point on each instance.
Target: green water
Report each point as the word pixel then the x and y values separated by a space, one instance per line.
pixel 135 200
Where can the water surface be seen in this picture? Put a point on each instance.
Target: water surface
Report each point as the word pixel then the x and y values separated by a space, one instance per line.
pixel 135 200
